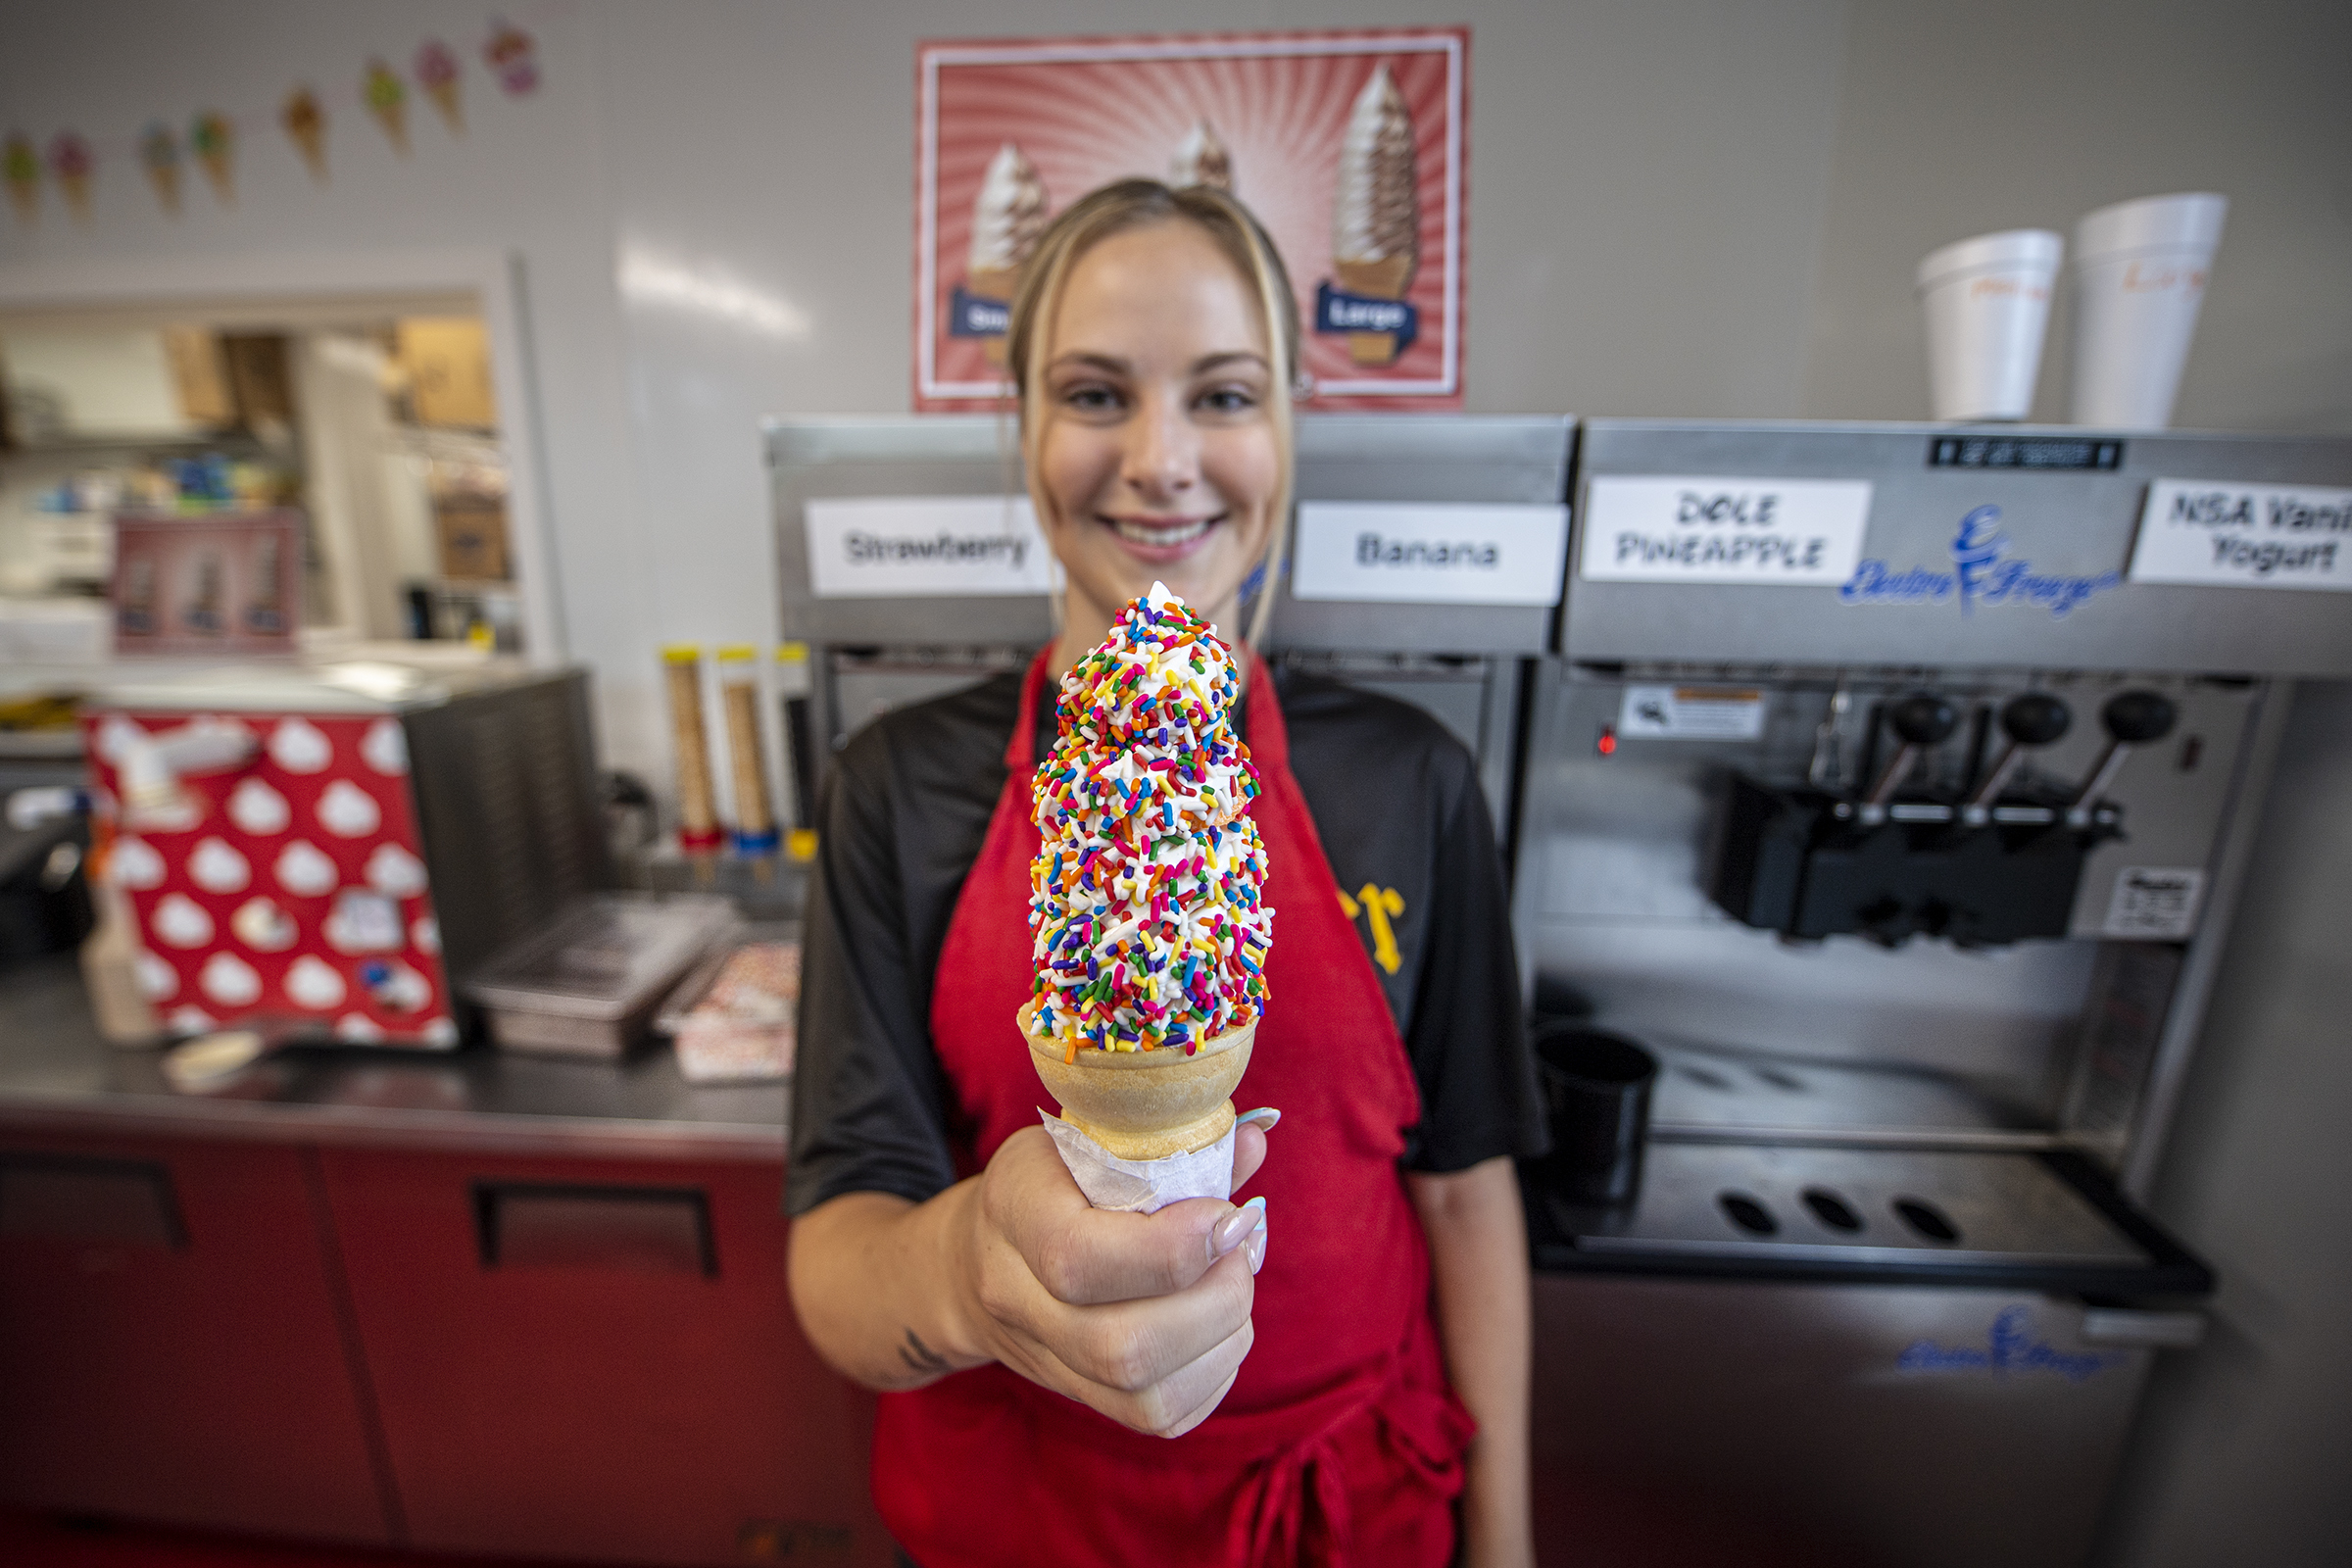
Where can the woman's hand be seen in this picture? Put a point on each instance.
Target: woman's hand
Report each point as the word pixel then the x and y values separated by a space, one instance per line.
pixel 1144 1317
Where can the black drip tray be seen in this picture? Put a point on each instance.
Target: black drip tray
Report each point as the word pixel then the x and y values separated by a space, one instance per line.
pixel 2041 1219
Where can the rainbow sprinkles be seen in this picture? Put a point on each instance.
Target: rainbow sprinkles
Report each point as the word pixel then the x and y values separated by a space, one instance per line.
pixel 1146 898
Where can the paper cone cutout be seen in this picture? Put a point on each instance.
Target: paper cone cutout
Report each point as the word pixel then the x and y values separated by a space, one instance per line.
pixel 306 127
pixel 437 72
pixel 514 59
pixel 214 142
pixel 71 165
pixel 388 100
pixel 24 168
pixel 159 155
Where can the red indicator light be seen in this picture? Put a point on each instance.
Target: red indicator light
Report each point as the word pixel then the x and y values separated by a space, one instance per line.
pixel 1606 746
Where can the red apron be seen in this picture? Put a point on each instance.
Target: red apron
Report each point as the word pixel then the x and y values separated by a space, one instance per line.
pixel 1339 1442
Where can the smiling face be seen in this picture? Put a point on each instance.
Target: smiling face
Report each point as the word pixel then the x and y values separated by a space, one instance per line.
pixel 1157 456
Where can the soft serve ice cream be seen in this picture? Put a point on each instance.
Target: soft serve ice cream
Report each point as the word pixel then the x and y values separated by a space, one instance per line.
pixel 1147 901
pixel 1376 209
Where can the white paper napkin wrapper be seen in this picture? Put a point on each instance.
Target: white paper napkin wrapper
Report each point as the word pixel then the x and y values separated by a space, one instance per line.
pixel 1141 1185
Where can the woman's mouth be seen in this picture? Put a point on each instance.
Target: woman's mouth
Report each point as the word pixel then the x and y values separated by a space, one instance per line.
pixel 1160 539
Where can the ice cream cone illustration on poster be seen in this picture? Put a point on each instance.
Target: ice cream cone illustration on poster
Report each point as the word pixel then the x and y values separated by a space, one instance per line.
pixel 1008 217
pixel 159 155
pixel 1202 160
pixel 71 165
pixel 436 71
pixel 24 166
pixel 214 142
pixel 1375 229
pixel 305 128
pixel 388 101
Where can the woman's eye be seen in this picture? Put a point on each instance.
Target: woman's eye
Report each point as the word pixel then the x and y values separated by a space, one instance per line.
pixel 1091 398
pixel 1229 400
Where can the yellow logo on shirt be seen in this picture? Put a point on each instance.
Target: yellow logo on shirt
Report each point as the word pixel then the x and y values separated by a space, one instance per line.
pixel 1378 906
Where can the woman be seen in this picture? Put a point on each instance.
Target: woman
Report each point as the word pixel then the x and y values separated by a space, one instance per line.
pixel 1338 1397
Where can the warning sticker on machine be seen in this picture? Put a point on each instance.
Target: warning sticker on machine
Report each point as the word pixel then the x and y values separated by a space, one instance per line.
pixel 2154 901
pixel 1690 712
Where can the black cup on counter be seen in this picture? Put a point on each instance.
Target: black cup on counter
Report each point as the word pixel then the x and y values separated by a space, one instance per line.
pixel 1596 1100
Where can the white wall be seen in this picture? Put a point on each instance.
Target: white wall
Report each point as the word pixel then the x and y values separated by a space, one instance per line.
pixel 2024 114
pixel 712 199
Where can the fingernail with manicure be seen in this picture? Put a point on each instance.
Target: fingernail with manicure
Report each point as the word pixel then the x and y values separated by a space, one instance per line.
pixel 1227 1233
pixel 1263 1118
pixel 1255 1248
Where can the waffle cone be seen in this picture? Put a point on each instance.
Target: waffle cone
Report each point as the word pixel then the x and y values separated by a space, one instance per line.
pixel 993 283
pixel 1146 1104
pixel 1385 280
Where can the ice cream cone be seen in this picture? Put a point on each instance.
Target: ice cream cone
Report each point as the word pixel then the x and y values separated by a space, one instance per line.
pixel 215 144
pixel 70 163
pixel 1384 279
pixel 437 72
pixel 158 154
pixel 993 283
pixel 305 128
pixel 24 178
pixel 388 100
pixel 1376 218
pixel 1144 1105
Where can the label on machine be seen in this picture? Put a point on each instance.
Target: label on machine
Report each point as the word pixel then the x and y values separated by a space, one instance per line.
pixel 927 547
pixel 1690 712
pixel 1430 553
pixel 2155 901
pixel 1776 533
pixel 2226 534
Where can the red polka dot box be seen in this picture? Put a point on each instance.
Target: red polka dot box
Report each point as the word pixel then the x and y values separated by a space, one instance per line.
pixel 330 853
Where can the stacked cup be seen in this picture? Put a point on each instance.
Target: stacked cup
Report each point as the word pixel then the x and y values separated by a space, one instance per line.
pixel 1989 303
pixel 2140 277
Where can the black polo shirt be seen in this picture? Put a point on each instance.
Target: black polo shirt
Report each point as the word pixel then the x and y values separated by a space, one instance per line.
pixel 1395 800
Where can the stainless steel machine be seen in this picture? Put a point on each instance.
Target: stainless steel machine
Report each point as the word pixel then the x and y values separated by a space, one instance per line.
pixel 1425 562
pixel 1892 785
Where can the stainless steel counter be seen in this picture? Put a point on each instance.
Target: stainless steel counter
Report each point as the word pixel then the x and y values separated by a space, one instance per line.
pixel 57 1073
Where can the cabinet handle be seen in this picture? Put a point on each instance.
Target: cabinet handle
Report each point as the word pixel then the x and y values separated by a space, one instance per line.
pixel 73 1198
pixel 656 1230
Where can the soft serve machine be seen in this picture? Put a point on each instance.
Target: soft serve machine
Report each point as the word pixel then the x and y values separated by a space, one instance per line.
pixel 910 564
pixel 1866 779
pixel 1893 786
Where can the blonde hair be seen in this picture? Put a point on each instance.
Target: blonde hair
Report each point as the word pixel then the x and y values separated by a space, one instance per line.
pixel 1139 203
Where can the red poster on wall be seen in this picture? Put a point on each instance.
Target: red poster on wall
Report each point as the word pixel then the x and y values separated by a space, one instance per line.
pixel 1353 148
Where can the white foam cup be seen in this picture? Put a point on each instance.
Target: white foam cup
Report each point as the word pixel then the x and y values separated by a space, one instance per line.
pixel 2140 277
pixel 1987 301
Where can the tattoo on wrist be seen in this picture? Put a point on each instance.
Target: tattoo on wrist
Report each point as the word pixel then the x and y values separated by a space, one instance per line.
pixel 920 1358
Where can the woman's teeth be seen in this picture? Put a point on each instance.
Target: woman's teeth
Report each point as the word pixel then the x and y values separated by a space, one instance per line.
pixel 1141 533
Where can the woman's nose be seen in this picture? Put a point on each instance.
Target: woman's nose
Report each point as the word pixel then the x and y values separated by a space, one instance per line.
pixel 1163 452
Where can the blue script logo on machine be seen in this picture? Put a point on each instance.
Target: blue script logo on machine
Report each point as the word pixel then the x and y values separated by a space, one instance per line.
pixel 2010 1346
pixel 1983 571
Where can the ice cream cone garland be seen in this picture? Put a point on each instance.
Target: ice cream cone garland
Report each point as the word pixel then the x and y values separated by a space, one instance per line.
pixel 1146 910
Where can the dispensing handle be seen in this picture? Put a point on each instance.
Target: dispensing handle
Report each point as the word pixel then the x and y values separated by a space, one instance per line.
pixel 2033 719
pixel 1920 721
pixel 2131 718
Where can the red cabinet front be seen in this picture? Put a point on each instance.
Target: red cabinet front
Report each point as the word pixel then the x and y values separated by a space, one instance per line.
pixel 598 1360
pixel 171 1346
